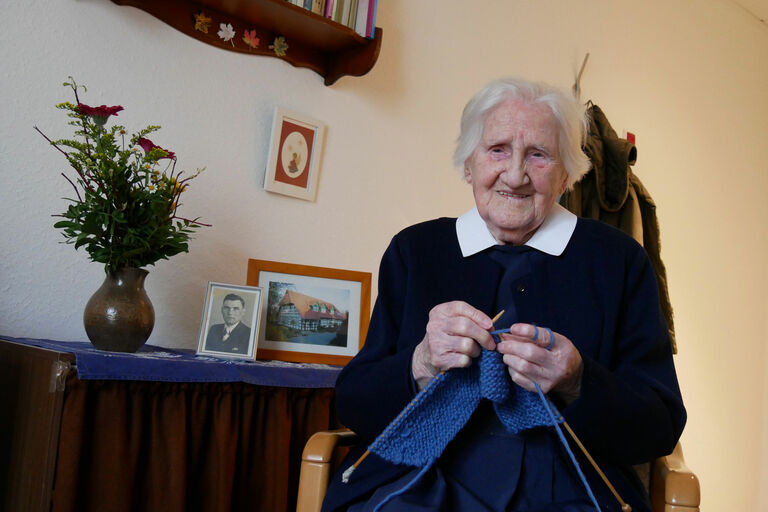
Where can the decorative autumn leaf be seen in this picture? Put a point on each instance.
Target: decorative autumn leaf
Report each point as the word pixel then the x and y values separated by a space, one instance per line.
pixel 250 39
pixel 280 46
pixel 202 22
pixel 226 32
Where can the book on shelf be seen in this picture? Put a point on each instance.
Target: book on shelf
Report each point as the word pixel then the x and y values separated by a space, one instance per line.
pixel 362 16
pixel 359 15
pixel 370 27
pixel 344 19
pixel 338 9
pixel 315 6
pixel 352 14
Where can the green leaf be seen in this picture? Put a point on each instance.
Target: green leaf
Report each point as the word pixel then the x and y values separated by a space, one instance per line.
pixel 82 239
pixel 65 224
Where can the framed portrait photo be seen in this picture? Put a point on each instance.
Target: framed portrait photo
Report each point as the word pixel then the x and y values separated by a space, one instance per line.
pixel 295 149
pixel 231 321
pixel 311 314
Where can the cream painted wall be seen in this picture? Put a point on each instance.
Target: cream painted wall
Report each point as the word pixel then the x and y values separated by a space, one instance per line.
pixel 689 77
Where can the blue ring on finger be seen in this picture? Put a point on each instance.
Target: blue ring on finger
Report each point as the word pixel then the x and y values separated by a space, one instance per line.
pixel 551 338
pixel 536 334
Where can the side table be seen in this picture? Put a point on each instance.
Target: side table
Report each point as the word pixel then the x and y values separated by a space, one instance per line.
pixel 158 430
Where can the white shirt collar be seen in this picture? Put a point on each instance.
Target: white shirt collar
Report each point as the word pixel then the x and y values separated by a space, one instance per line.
pixel 552 236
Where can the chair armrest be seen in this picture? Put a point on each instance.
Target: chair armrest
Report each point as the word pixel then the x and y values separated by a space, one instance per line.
pixel 674 487
pixel 320 446
pixel 316 466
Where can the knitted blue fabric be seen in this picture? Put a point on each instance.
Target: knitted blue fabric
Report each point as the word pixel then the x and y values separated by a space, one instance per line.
pixel 420 433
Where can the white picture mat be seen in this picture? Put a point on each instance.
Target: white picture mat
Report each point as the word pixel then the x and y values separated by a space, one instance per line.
pixel 253 297
pixel 304 282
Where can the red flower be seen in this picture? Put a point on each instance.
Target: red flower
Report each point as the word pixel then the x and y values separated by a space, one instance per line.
pixel 147 145
pixel 102 111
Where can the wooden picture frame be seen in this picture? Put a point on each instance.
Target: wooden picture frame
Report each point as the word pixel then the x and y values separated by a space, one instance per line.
pixel 311 314
pixel 295 149
pixel 231 321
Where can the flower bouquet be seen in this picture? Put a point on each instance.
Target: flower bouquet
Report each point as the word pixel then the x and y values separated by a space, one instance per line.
pixel 125 209
pixel 124 213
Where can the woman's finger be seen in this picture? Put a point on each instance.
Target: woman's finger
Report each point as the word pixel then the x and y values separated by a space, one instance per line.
pixel 459 319
pixel 541 336
pixel 521 380
pixel 538 354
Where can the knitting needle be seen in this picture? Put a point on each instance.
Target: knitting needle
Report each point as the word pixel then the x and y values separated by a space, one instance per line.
pixel 625 507
pixel 345 476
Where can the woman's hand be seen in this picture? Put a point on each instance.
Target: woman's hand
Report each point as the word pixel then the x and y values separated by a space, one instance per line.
pixel 557 370
pixel 455 334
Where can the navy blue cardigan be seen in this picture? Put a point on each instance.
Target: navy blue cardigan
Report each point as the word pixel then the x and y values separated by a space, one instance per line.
pixel 601 293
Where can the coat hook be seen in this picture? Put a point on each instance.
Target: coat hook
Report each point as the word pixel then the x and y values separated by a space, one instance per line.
pixel 577 83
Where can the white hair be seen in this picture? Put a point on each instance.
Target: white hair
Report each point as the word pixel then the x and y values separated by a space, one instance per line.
pixel 570 115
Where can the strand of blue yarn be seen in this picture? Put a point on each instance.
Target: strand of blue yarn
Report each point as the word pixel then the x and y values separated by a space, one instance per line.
pixel 565 444
pixel 483 381
pixel 556 418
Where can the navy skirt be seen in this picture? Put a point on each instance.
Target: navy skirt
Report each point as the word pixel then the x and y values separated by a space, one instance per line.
pixel 488 469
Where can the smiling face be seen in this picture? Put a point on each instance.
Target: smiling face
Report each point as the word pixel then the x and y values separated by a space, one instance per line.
pixel 515 170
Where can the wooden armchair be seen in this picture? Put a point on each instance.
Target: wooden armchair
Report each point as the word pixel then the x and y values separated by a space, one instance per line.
pixel 673 487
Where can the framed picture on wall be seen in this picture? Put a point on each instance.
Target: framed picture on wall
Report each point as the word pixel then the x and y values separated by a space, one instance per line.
pixel 295 150
pixel 311 314
pixel 231 321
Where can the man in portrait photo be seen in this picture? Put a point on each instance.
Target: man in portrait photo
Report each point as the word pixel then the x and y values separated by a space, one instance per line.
pixel 233 335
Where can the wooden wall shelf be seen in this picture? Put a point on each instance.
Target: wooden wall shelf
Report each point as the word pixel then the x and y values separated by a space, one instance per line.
pixel 313 41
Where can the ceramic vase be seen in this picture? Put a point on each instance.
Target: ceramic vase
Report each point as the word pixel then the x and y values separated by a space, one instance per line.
pixel 119 317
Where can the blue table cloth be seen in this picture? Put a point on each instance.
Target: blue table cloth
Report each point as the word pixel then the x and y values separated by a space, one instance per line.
pixel 153 363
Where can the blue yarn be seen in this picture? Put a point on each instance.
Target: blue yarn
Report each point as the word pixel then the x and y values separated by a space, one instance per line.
pixel 435 416
pixel 550 406
pixel 404 488
pixel 497 338
pixel 422 430
pixel 551 339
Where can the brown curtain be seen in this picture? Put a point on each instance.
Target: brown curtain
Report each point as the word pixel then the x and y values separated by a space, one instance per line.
pixel 129 445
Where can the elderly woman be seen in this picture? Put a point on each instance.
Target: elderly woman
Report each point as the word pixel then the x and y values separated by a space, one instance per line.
pixel 607 363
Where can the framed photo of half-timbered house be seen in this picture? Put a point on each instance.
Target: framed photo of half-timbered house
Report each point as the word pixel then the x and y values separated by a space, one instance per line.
pixel 311 314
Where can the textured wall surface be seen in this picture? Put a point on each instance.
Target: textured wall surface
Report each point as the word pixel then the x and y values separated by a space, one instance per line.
pixel 688 77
